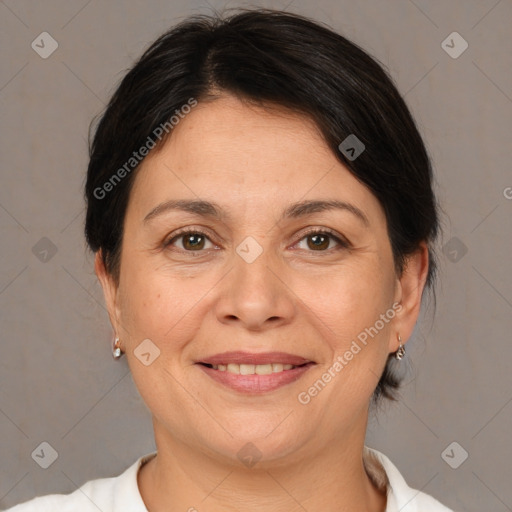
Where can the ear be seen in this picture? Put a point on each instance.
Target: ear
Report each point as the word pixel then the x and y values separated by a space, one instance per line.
pixel 110 291
pixel 409 291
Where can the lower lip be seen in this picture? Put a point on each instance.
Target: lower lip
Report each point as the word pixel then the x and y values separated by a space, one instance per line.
pixel 256 383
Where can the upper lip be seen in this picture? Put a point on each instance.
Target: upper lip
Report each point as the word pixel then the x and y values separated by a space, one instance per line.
pixel 240 357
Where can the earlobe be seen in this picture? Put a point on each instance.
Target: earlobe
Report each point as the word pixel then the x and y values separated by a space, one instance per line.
pixel 109 290
pixel 411 285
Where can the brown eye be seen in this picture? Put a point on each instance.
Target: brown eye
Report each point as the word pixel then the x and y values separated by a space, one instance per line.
pixel 190 241
pixel 193 241
pixel 318 242
pixel 322 241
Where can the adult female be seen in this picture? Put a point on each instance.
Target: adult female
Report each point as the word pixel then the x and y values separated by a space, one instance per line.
pixel 261 209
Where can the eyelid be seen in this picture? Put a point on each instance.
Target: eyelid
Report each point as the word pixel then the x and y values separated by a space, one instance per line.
pixel 340 239
pixel 189 230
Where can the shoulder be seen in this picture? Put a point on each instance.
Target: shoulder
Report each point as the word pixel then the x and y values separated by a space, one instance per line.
pixel 115 494
pixel 93 495
pixel 401 497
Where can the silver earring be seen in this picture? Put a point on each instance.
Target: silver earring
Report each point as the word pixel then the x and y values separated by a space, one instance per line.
pixel 401 349
pixel 116 349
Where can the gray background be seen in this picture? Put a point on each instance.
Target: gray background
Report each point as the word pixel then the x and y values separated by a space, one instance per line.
pixel 58 381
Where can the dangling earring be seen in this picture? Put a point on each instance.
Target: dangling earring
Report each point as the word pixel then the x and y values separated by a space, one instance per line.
pixel 401 349
pixel 116 349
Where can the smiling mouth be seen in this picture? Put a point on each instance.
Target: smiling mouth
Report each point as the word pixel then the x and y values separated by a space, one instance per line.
pixel 253 369
pixel 249 378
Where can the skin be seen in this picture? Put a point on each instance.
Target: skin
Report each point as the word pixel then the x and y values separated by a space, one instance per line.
pixel 192 303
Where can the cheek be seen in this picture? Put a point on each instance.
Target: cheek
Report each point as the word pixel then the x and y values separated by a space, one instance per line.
pixel 349 299
pixel 160 306
pixel 142 305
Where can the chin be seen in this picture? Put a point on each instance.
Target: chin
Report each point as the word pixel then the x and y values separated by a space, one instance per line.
pixel 258 445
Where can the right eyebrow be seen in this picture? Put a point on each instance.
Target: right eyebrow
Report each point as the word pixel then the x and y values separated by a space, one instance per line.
pixel 198 207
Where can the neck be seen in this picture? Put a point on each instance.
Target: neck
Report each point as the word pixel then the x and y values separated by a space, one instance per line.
pixel 332 480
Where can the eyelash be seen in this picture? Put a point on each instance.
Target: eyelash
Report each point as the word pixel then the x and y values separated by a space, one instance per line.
pixel 342 242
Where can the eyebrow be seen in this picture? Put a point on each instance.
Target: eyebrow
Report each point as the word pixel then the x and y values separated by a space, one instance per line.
pixel 295 210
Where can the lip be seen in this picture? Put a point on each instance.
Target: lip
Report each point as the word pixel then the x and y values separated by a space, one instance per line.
pixel 240 357
pixel 256 384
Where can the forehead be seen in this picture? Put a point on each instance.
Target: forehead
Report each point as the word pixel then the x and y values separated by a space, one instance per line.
pixel 241 154
pixel 241 136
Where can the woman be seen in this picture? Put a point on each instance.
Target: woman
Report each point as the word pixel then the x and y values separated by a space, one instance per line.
pixel 261 209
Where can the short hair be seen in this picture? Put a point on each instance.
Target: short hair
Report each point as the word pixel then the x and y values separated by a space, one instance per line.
pixel 269 57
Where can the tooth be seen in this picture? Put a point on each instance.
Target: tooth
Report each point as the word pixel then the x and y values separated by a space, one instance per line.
pixel 247 369
pixel 234 368
pixel 263 369
pixel 253 369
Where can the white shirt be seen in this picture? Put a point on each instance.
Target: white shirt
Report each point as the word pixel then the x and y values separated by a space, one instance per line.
pixel 121 493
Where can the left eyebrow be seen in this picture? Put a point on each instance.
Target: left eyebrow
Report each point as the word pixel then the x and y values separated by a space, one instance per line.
pixel 307 207
pixel 295 210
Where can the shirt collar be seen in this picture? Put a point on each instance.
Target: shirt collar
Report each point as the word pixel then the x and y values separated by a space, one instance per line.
pixel 127 497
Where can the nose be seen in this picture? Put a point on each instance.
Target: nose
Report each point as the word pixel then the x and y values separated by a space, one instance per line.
pixel 255 295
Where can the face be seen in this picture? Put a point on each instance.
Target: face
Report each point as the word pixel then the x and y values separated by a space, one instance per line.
pixel 245 235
